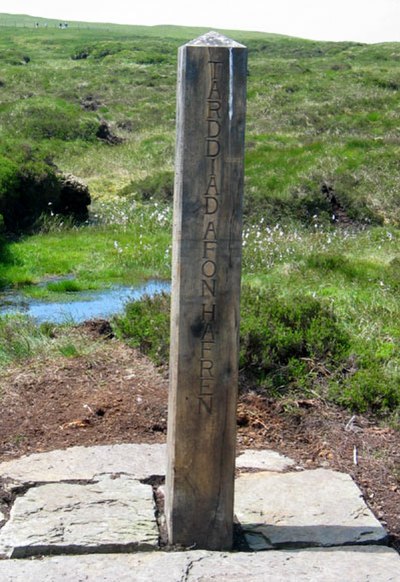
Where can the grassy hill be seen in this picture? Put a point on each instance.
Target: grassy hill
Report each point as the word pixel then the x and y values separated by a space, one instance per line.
pixel 322 190
pixel 321 116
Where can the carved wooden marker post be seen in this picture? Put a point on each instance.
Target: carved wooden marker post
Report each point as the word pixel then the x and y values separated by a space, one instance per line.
pixel 211 106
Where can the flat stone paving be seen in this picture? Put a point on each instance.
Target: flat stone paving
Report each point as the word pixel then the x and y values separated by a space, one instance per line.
pixel 362 564
pixel 90 503
pixel 308 508
pixel 111 514
pixel 84 463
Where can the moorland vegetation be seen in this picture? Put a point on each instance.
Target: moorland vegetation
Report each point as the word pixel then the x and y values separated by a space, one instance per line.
pixel 321 254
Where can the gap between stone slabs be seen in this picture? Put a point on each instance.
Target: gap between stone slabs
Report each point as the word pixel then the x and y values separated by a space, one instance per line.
pixel 81 463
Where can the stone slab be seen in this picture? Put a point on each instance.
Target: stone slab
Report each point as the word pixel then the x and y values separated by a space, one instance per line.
pixel 113 514
pixel 85 463
pixel 106 510
pixel 263 459
pixel 363 564
pixel 350 565
pixel 311 508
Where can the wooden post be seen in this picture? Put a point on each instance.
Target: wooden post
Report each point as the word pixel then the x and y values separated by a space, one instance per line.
pixel 211 104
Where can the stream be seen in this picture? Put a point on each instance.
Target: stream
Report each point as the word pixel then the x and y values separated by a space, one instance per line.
pixel 85 305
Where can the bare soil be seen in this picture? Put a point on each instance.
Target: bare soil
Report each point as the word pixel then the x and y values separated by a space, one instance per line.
pixel 116 395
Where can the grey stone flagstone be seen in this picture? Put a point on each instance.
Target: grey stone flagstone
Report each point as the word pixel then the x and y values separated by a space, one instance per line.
pixel 113 514
pixel 318 507
pixel 311 508
pixel 364 564
pixel 265 460
pixel 84 463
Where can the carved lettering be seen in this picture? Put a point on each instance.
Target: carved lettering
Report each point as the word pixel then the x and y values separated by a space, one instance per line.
pixel 213 148
pixel 208 287
pixel 214 68
pixel 214 91
pixel 211 205
pixel 209 248
pixel 206 367
pixel 209 267
pixel 206 346
pixel 205 401
pixel 208 333
pixel 212 188
pixel 214 109
pixel 214 128
pixel 210 230
pixel 208 312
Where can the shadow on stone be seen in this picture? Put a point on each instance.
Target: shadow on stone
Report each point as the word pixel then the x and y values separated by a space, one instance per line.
pixel 260 536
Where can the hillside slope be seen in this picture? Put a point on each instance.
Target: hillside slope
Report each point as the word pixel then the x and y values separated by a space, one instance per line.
pixel 322 130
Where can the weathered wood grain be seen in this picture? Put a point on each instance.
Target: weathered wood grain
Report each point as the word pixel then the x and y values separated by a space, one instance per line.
pixel 208 194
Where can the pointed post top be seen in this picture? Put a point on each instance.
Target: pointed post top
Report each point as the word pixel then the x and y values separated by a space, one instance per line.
pixel 213 38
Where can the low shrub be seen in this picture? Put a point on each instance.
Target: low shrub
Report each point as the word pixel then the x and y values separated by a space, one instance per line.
pixel 287 343
pixel 145 325
pixel 282 341
pixel 369 388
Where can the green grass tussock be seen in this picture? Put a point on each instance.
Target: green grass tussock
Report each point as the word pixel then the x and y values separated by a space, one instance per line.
pixel 48 118
pixel 21 338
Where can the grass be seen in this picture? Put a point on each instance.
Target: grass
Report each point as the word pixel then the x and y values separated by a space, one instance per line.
pixel 322 143
pixel 319 315
pixel 357 273
pixel 125 244
pixel 21 339
pixel 316 111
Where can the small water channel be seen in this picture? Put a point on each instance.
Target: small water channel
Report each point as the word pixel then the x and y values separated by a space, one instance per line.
pixel 85 305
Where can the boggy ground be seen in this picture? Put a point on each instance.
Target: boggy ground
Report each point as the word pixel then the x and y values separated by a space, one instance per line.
pixel 115 395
